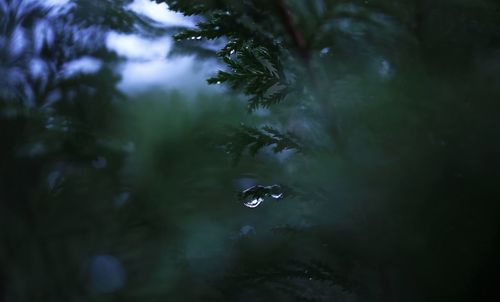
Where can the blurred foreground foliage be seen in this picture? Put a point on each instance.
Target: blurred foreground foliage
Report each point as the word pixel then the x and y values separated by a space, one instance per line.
pixel 378 119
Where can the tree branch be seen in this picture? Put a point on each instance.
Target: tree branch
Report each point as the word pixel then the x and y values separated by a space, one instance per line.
pixel 297 37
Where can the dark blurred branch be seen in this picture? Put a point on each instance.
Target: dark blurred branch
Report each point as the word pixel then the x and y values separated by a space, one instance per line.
pixel 305 54
pixel 297 37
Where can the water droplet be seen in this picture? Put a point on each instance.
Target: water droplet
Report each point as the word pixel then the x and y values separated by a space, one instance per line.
pixel 277 196
pixel 256 195
pixel 253 203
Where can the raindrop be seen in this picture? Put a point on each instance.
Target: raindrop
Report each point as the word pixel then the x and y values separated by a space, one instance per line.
pixel 253 203
pixel 256 195
pixel 277 196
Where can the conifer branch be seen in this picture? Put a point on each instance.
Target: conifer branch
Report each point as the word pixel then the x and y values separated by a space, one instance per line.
pixel 298 39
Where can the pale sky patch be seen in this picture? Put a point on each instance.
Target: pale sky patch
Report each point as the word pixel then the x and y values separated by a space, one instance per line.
pixel 136 47
pixel 185 74
pixel 160 13
pixel 147 62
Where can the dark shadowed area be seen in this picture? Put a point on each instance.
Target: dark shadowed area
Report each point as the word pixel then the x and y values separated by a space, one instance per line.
pixel 250 150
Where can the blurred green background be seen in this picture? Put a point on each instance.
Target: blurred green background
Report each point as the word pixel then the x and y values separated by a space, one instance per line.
pixel 122 173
